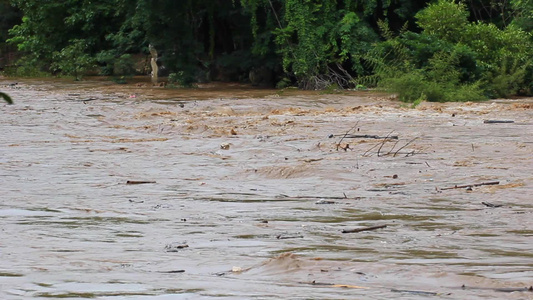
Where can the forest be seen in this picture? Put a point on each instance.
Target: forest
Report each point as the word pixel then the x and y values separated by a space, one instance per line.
pixel 441 50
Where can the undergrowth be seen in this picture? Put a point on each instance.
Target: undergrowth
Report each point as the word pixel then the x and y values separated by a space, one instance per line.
pixel 460 68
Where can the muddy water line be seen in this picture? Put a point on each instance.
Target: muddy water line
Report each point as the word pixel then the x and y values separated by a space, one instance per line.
pixel 262 218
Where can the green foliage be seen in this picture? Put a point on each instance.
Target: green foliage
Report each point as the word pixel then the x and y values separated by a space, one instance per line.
pixel 283 83
pixel 445 20
pixel 507 79
pixel 124 65
pixel 121 67
pixel 73 60
pixel 52 32
pixel 312 36
pixel 523 14
pixel 181 79
pixel 105 59
pixel 433 53
pixel 27 67
pixel 360 87
pixel 9 17
pixel 452 59
pixel 6 98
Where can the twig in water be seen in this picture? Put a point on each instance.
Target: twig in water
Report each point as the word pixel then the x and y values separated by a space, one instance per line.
pixel 393 146
pixel 335 285
pixel 285 236
pixel 384 140
pixel 405 146
pixel 363 229
pixel 471 185
pixel 138 182
pixel 422 293
pixel 173 271
pixel 364 154
pixel 347 132
pixel 366 136
pixel 488 204
pixel 410 153
pixel 343 197
pixel 497 121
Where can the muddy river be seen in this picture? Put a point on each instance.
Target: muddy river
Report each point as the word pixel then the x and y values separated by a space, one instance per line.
pixel 134 192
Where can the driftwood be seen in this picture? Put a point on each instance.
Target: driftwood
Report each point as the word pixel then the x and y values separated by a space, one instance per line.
pixel 422 293
pixel 344 136
pixel 387 138
pixel 364 154
pixel 363 229
pixel 138 182
pixel 384 140
pixel 395 153
pixel 335 285
pixel 325 202
pixel 366 136
pixel 504 290
pixel 497 121
pixel 512 290
pixel 488 204
pixel 471 185
pixel 173 271
pixel 344 197
pixel 286 236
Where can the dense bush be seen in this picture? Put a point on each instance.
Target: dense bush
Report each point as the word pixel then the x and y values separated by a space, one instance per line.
pixel 73 60
pixel 452 59
pixel 446 51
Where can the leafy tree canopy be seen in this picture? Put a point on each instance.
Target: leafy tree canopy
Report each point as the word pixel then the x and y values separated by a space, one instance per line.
pixel 311 43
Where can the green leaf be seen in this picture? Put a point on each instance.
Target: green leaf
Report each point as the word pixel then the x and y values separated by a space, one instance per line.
pixel 6 97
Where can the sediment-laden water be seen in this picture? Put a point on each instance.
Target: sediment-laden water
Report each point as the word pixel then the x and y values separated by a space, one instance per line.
pixel 132 192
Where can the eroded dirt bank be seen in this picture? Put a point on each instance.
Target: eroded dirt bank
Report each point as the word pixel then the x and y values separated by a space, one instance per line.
pixel 249 192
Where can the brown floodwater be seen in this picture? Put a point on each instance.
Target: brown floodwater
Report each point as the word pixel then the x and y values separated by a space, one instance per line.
pixel 225 191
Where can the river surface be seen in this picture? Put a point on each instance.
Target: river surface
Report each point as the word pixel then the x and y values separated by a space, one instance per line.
pixel 226 192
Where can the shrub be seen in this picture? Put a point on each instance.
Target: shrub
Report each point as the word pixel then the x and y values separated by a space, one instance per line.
pixel 444 19
pixel 72 60
pixel 453 60
pixel 27 67
pixel 181 79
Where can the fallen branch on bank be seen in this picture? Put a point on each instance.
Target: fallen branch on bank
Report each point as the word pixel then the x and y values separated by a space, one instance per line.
pixel 470 185
pixel 363 229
